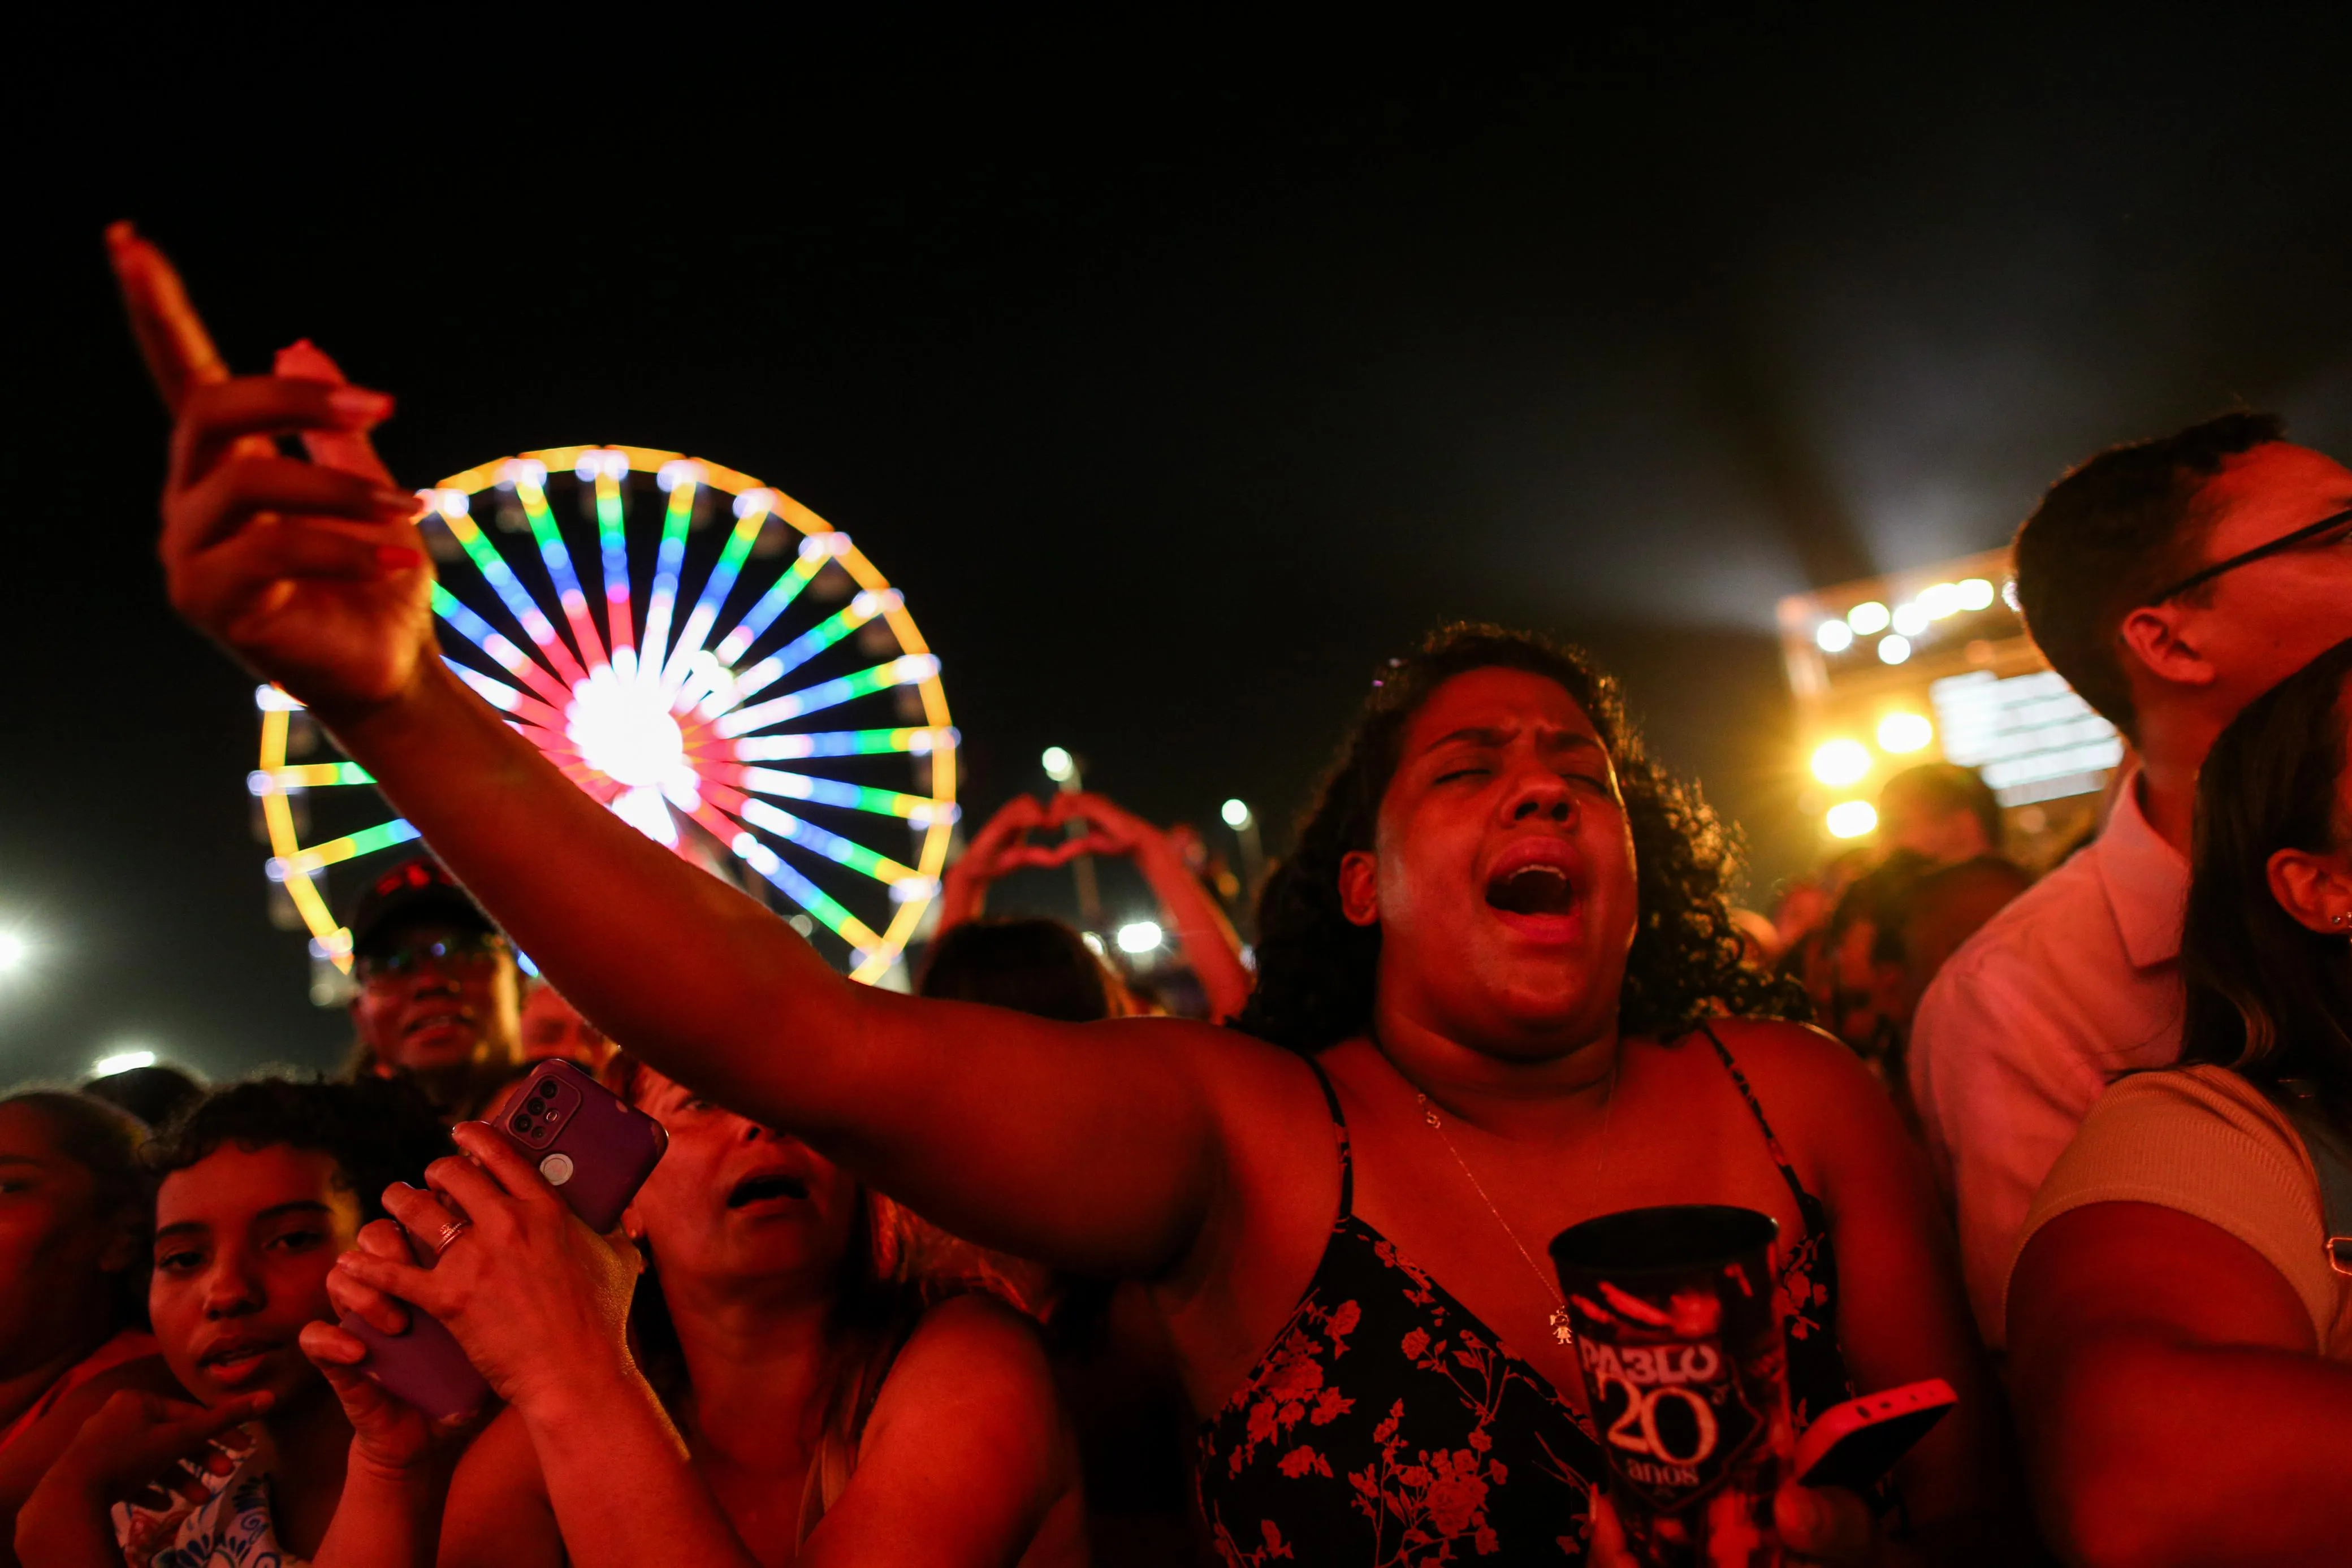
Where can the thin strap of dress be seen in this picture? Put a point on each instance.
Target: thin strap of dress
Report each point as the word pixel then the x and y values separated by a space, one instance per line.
pixel 1771 1142
pixel 1339 1135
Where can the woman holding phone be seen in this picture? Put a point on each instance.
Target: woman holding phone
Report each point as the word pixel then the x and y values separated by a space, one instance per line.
pixel 1486 963
pixel 800 1390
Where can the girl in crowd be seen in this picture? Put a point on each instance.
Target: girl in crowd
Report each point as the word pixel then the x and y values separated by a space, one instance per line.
pixel 797 1393
pixel 1494 984
pixel 2180 1326
pixel 1202 931
pixel 264 1184
pixel 73 1279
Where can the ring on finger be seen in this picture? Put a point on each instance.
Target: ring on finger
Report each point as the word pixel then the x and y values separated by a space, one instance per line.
pixel 450 1232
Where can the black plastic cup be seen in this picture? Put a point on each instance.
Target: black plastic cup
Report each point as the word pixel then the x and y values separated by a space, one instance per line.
pixel 1686 1372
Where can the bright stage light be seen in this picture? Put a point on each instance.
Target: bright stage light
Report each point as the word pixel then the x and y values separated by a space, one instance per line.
pixel 120 1062
pixel 1059 765
pixel 1139 937
pixel 1894 650
pixel 1911 619
pixel 13 949
pixel 1975 593
pixel 1867 618
pixel 1840 762
pixel 1900 732
pixel 1852 818
pixel 1833 636
pixel 1940 598
pixel 1236 814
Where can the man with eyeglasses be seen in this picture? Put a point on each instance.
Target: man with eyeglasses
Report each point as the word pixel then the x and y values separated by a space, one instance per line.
pixel 2170 582
pixel 439 995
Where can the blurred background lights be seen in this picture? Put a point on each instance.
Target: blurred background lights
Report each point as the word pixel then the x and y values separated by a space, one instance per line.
pixel 1901 732
pixel 1834 636
pixel 13 949
pixel 1867 618
pixel 1236 813
pixel 1894 650
pixel 1976 593
pixel 1840 762
pixel 1940 598
pixel 1910 619
pixel 116 1061
pixel 1138 936
pixel 1058 765
pixel 1852 818
pixel 1094 942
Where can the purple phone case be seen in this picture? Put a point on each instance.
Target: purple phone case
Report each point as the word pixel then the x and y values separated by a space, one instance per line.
pixel 595 1149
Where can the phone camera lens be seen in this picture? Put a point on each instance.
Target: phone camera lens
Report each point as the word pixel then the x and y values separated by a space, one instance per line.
pixel 521 1123
pixel 536 1105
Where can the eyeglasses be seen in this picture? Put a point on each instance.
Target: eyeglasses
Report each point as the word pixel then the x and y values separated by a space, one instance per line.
pixel 2340 523
pixel 457 952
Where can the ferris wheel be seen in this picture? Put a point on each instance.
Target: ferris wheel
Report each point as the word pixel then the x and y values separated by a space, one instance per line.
pixel 732 677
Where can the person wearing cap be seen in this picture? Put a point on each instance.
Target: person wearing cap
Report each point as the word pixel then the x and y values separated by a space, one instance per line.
pixel 439 994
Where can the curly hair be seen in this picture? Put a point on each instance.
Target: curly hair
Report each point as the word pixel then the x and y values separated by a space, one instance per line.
pixel 378 1131
pixel 1316 969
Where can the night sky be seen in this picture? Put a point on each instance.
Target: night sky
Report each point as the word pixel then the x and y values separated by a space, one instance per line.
pixel 1177 374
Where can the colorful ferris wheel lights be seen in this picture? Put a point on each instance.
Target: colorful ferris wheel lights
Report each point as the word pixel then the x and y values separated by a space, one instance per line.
pixel 843 743
pixel 832 846
pixel 664 716
pixel 814 552
pixel 808 895
pixel 898 672
pixel 921 808
pixel 282 868
pixel 613 550
pixel 306 776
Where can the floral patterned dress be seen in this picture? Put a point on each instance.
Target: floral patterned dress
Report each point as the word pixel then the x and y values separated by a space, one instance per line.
pixel 1387 1427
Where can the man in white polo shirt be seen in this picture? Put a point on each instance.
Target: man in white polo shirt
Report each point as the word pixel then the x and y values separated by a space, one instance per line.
pixel 2170 582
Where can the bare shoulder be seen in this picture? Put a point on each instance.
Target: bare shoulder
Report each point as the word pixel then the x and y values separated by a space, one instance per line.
pixel 966 1346
pixel 970 1392
pixel 977 1329
pixel 1808 1061
pixel 1823 1102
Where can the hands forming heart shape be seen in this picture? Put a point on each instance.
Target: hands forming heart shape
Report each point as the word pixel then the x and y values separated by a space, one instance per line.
pixel 1016 836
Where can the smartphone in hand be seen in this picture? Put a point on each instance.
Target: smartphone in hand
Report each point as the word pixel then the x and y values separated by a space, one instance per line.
pixel 594 1148
pixel 1854 1444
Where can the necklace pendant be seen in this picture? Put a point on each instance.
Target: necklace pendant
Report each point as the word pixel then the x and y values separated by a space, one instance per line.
pixel 1560 1328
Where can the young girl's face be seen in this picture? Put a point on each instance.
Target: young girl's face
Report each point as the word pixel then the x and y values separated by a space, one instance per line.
pixel 243 1239
pixel 54 1243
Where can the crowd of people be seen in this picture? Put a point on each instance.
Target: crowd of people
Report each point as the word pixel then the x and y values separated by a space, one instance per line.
pixel 1024 1267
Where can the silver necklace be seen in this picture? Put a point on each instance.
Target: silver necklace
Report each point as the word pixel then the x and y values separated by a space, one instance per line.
pixel 1563 1330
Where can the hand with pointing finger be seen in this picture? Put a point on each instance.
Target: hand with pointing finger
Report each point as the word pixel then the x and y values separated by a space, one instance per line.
pixel 314 577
